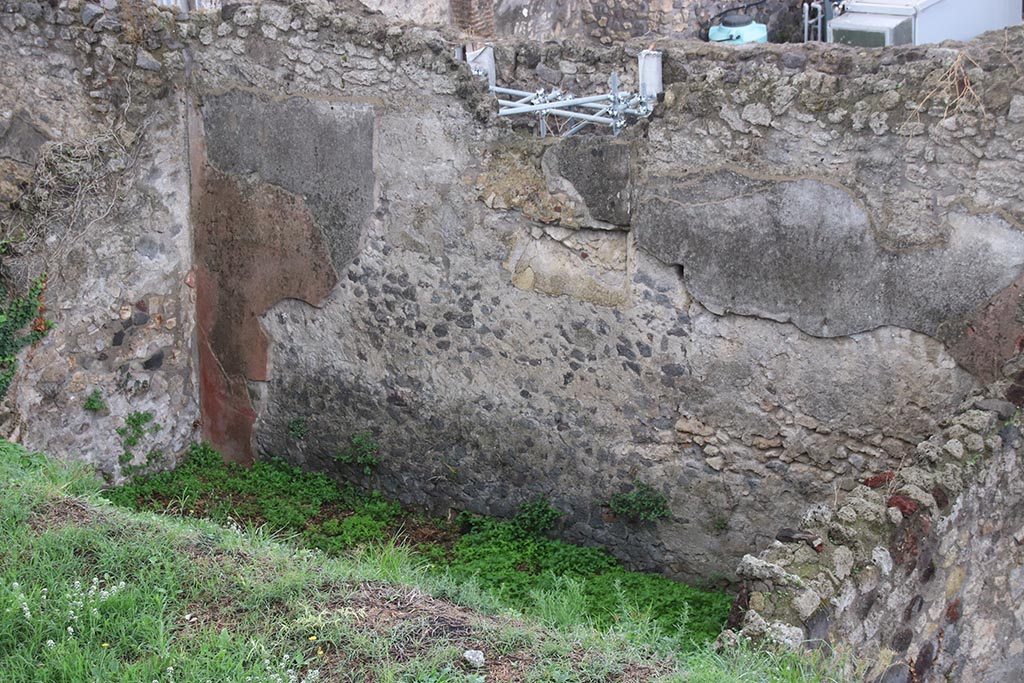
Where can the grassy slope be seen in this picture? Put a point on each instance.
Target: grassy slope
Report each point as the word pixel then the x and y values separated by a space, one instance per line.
pixel 90 592
pixel 515 560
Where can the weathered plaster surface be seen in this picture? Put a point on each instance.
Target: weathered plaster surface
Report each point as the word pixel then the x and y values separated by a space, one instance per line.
pixel 117 266
pixel 246 262
pixel 321 151
pixel 803 250
pixel 281 194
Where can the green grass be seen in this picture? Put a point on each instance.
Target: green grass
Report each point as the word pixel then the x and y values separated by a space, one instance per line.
pixel 512 559
pixel 325 514
pixel 531 572
pixel 90 592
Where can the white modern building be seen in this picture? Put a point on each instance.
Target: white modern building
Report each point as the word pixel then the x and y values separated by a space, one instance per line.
pixel 876 23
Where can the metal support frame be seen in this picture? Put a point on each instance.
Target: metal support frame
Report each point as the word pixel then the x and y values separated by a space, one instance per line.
pixel 615 109
pixel 814 15
pixel 817 17
pixel 191 5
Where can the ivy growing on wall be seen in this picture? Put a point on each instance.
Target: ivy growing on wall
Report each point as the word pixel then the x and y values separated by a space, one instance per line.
pixel 643 504
pixel 21 324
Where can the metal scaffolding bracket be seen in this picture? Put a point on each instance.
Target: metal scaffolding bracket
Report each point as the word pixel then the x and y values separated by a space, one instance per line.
pixel 562 113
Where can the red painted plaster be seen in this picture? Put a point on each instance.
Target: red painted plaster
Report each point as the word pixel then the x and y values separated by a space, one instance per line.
pixel 255 244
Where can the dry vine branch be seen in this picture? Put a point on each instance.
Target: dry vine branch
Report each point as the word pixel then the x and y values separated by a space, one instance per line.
pixel 1005 52
pixel 59 204
pixel 955 88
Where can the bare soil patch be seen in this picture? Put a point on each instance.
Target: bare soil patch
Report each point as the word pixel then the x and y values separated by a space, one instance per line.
pixel 62 512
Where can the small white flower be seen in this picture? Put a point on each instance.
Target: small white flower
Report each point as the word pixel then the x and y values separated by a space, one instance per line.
pixel 50 643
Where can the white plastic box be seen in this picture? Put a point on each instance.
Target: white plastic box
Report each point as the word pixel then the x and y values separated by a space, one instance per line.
pixel 871 23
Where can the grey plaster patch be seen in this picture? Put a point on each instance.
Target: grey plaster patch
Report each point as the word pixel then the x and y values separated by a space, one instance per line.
pixel 803 251
pixel 322 151
pixel 598 167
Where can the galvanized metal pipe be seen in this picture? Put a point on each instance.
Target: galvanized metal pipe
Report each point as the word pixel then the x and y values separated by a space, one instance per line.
pixel 609 109
pixel 560 103
pixel 581 116
pixel 510 91
pixel 582 124
pixel 516 103
pixel 575 129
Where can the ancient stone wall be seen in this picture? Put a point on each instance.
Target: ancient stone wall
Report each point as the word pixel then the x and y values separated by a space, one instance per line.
pixel 94 194
pixel 713 303
pixel 782 281
pixel 422 12
pixel 613 21
pixel 917 571
pixel 604 22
